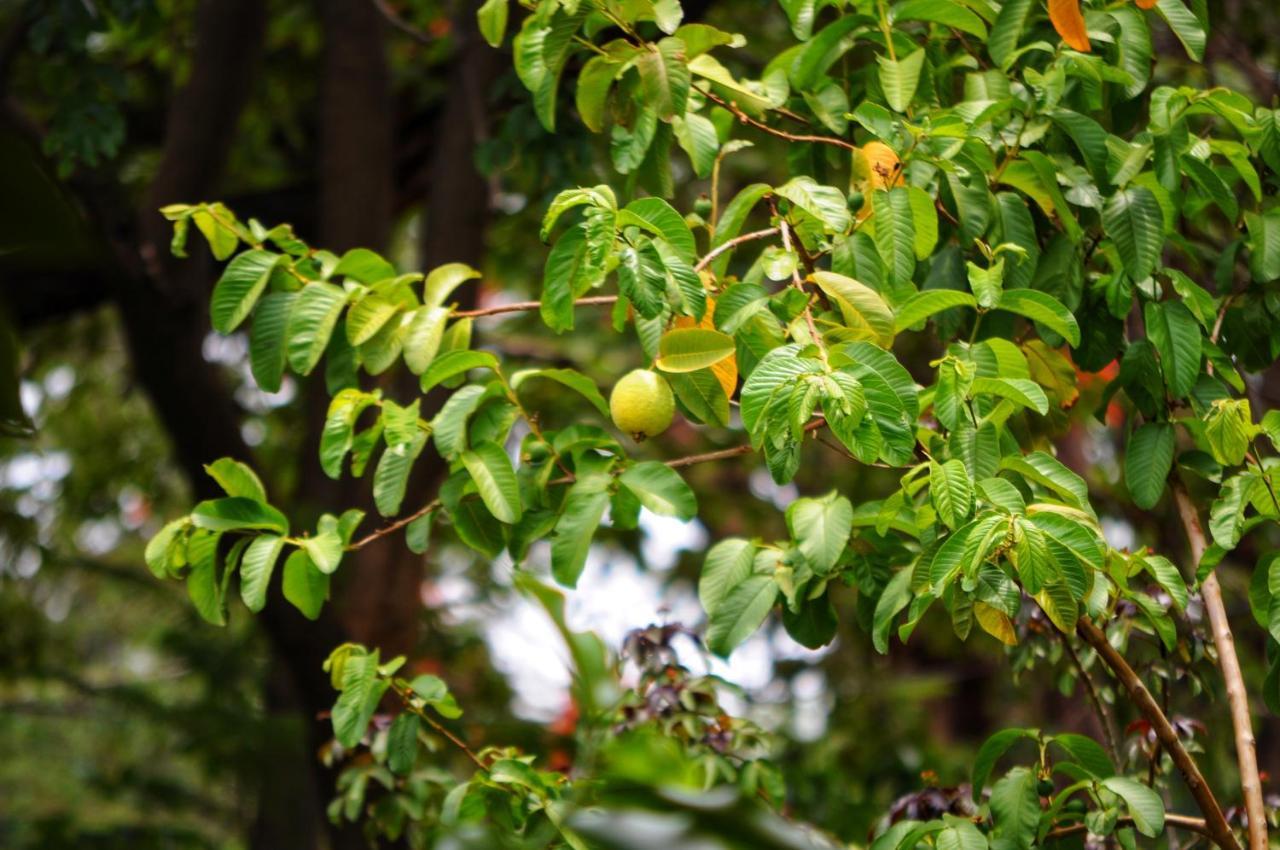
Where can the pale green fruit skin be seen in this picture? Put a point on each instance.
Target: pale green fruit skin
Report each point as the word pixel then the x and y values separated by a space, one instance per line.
pixel 642 404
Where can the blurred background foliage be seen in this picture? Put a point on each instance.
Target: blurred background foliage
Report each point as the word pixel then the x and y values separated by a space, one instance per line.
pixel 124 720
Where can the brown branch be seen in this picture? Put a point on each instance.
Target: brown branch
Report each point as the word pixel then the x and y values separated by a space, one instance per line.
pixel 1215 823
pixel 1099 707
pixel 773 131
pixel 1190 824
pixel 1237 694
pixel 393 527
pixel 674 463
pixel 525 306
pixel 406 695
pixel 733 243
pixel 605 300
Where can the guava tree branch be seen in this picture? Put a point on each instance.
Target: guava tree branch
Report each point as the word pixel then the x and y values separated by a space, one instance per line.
pixel 1099 707
pixel 774 131
pixel 1185 822
pixel 1237 695
pixel 605 300
pixel 674 463
pixel 1215 823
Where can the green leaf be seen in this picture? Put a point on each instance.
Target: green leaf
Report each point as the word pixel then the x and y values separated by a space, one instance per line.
pixel 1043 308
pixel 1002 44
pixel 492 20
pixel 239 287
pixel 256 566
pixel 702 394
pixel 929 302
pixel 661 489
pixel 325 550
pixel 697 137
pixel 661 219
pixel 311 323
pixel 1264 245
pixel 1147 462
pixel 861 306
pixel 991 751
pixel 434 692
pixel 1145 806
pixel 454 363
pixel 895 233
pixel 206 591
pixel 443 280
pixel 743 609
pixel 305 587
pixel 732 218
pixel 423 332
pixel 391 478
pixel 690 349
pixel 948 13
pixel 267 352
pixel 584 507
pixel 1133 220
pixel 727 564
pixel 1015 807
pixel 236 479
pixel 1087 753
pixel 367 316
pixel 490 469
pixel 895 597
pixel 664 76
pixel 1176 336
pixel 402 737
pixel 1048 471
pixel 951 492
pixel 821 528
pixel 900 77
pixel 1020 391
pixel 365 266
pixel 825 203
pixel 362 690
pixel 1186 26
pixel 1168 577
pixel 570 378
pixel 821 51
pixel 236 513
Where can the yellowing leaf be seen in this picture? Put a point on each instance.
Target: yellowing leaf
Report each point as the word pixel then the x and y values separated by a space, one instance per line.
pixel 726 371
pixel 1146 4
pixel 995 623
pixel 1067 20
pixel 875 166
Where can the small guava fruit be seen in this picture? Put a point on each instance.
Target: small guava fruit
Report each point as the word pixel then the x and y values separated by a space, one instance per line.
pixel 641 404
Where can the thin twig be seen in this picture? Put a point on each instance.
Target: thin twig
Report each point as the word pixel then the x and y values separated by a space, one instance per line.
pixel 773 131
pixel 393 527
pixel 1215 823
pixel 525 306
pixel 1190 824
pixel 1099 707
pixel 734 243
pixel 1237 694
pixel 400 23
pixel 406 694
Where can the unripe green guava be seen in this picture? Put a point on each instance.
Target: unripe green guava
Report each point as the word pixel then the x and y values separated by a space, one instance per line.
pixel 641 404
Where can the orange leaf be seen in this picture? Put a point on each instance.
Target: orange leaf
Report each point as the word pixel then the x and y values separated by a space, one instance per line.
pixel 1146 4
pixel 726 371
pixel 1067 20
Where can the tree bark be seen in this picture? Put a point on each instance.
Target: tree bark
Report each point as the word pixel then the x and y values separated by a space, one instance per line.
pixel 1237 694
pixel 1215 822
